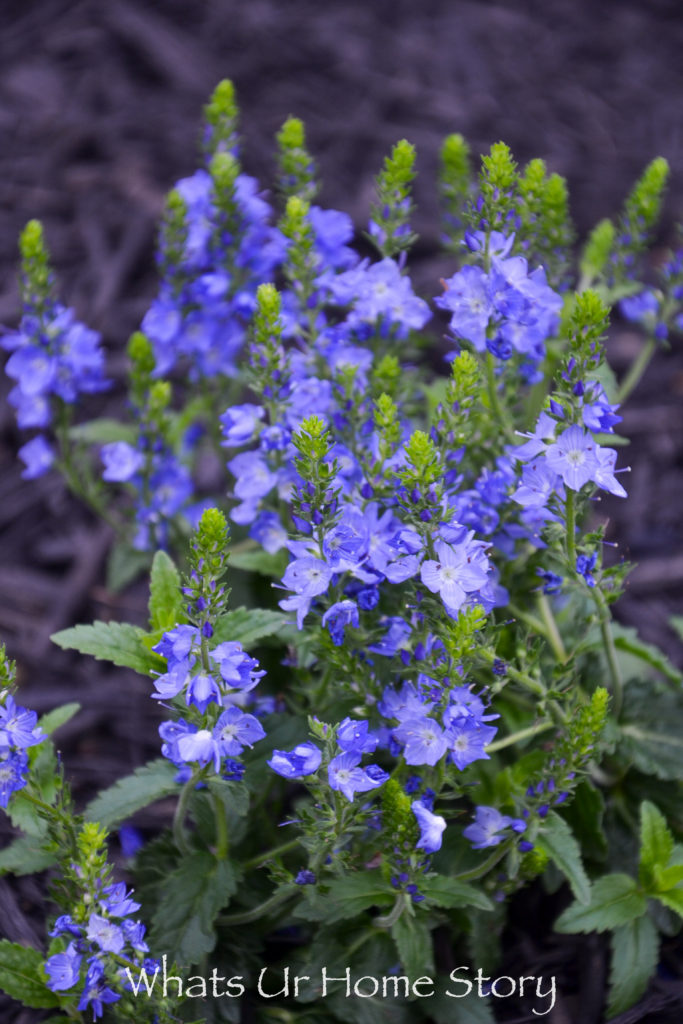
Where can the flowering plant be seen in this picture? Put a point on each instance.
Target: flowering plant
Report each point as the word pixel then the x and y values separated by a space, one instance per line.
pixel 448 710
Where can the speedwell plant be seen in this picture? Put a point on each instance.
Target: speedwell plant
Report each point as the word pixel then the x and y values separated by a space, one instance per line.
pixel 447 710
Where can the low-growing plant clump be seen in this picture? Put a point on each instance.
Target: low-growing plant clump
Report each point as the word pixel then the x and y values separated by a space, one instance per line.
pixel 448 710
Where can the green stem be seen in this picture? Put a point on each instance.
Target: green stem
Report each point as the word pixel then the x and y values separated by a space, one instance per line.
pixel 179 835
pixel 494 398
pixel 570 510
pixel 531 620
pixel 521 734
pixel 387 920
pixel 222 841
pixel 255 862
pixel 490 862
pixel 610 651
pixel 525 680
pixel 247 916
pixel 551 630
pixel 637 369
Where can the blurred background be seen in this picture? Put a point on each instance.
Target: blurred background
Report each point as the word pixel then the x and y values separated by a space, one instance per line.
pixel 100 107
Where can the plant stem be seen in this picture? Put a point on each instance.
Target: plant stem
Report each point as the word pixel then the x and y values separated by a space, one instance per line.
pixel 494 399
pixel 222 842
pixel 571 530
pixel 521 734
pixel 490 862
pixel 610 651
pixel 551 631
pixel 387 920
pixel 179 835
pixel 281 896
pixel 255 862
pixel 637 369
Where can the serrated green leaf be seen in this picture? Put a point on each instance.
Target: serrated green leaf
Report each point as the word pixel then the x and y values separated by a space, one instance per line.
pixel 103 431
pixel 22 978
pixel 25 856
pixel 196 891
pixel 147 784
pixel 262 562
pixel 673 899
pixel 449 892
pixel 656 841
pixel 653 750
pixel 584 815
pixel 414 944
pixel 462 1007
pixel 247 625
pixel 626 639
pixel 165 599
pixel 614 900
pixel 119 643
pixel 635 951
pixel 53 720
pixel 348 897
pixel 557 840
pixel 668 878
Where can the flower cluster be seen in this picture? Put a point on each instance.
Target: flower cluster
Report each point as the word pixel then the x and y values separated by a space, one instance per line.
pixel 19 731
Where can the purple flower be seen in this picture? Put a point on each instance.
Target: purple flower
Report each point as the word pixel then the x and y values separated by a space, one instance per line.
pixel 37 455
pixel 239 423
pixel 202 690
pixel 63 969
pixel 488 824
pixel 461 569
pixel 431 827
pixel 294 764
pixel 96 991
pixel 467 741
pixel 573 456
pixel 338 617
pixel 353 735
pixel 13 775
pixel 238 670
pixel 105 934
pixel 423 739
pixel 468 297
pixel 344 775
pixel 121 461
pixel 307 577
pixel 235 730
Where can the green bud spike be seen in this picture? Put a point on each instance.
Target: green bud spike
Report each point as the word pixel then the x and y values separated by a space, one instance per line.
pixel 455 177
pixel 213 533
pixel 295 164
pixel 160 395
pixel 597 251
pixel 267 324
pixel 312 439
pixel 398 819
pixel 173 232
pixel 224 169
pixel 301 261
pixel 391 212
pixel 8 670
pixel 497 184
pixel 642 207
pixel 423 457
pixel 386 375
pixel 387 421
pixel 36 276
pixel 141 353
pixel 221 115
pixel 465 381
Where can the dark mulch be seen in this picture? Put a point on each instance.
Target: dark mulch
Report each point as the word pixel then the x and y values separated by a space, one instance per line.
pixel 99 112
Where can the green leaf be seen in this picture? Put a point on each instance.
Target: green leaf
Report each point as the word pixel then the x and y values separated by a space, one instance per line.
pixel 53 720
pixel 461 1008
pixel 557 840
pixel 263 562
pixel 676 623
pixel 25 856
pixel 149 783
pixel 584 815
pixel 348 897
pixel 614 900
pixel 43 773
pixel 196 891
pixel 635 951
pixel 656 841
pixel 414 944
pixel 103 431
pixel 673 899
pixel 449 892
pixel 626 639
pixel 247 625
pixel 165 600
pixel 22 977
pixel 117 642
pixel 653 750
pixel 124 565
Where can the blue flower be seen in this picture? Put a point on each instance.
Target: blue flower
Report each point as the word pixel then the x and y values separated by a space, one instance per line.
pixel 423 739
pixel 294 764
pixel 344 775
pixel 338 616
pixel 461 569
pixel 104 933
pixel 431 827
pixel 63 969
pixel 121 461
pixel 354 735
pixel 38 456
pixel 488 825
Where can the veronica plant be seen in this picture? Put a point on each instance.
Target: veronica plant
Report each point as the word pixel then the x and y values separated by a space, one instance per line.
pixel 448 710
